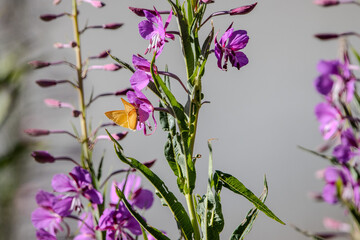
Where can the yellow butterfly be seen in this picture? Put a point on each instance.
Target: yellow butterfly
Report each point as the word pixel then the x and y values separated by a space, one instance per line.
pixel 126 118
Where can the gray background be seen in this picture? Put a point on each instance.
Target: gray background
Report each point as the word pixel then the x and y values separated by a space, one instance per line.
pixel 259 114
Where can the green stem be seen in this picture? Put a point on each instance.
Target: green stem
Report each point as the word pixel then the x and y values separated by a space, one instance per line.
pixel 86 161
pixel 193 219
pixel 86 155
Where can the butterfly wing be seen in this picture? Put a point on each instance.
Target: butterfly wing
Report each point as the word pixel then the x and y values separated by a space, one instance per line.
pixel 132 119
pixel 126 118
pixel 120 117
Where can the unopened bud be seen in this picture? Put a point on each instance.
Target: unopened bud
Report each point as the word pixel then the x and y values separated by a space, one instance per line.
pixel 37 132
pixel 123 92
pixel 48 17
pixel 103 54
pixel 149 164
pixel 140 11
pixel 72 44
pixel 56 2
pixel 46 83
pixel 39 64
pixel 206 1
pixel 94 3
pixel 243 10
pixel 107 67
pixel 43 157
pixel 52 102
pixel 112 26
pixel 76 113
pixel 326 3
pixel 326 36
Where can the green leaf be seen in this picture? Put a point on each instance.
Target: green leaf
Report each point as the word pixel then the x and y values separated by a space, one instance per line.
pixel 245 227
pixel 207 43
pixel 122 63
pixel 209 207
pixel 330 158
pixel 99 171
pixel 236 186
pixel 177 108
pixel 174 205
pixel 153 231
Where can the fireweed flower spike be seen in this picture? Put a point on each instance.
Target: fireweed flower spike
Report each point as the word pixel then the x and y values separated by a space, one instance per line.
pixel 229 46
pixel 80 184
pixel 154 30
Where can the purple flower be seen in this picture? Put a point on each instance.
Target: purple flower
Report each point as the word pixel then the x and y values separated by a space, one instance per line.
pixel 144 109
pixel 86 227
pixel 134 193
pixel 331 176
pixel 80 184
pixel 50 213
pixel 348 147
pixel 229 46
pixel 329 118
pixel 41 234
pixel 335 79
pixel 154 30
pixel 142 76
pixel 116 222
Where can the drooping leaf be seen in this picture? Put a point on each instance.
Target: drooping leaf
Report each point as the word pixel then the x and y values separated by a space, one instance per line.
pixel 245 227
pixel 153 231
pixel 233 184
pixel 174 205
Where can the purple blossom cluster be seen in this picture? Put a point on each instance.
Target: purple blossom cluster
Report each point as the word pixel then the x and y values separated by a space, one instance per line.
pixel 116 220
pixel 338 117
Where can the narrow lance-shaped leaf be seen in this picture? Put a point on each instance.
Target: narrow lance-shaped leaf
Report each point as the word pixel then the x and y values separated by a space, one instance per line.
pixel 174 205
pixel 245 227
pixel 233 184
pixel 122 63
pixel 153 231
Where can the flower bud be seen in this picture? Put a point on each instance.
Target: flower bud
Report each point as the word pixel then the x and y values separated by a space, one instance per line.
pixel 327 36
pixel 46 83
pixel 39 64
pixel 149 163
pixel 123 92
pixel 95 3
pixel 243 10
pixel 52 102
pixel 326 3
pixel 72 44
pixel 42 157
pixel 103 54
pixel 112 26
pixel 56 2
pixel 107 67
pixel 76 113
pixel 140 11
pixel 206 1
pixel 37 132
pixel 48 17
pixel 119 136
